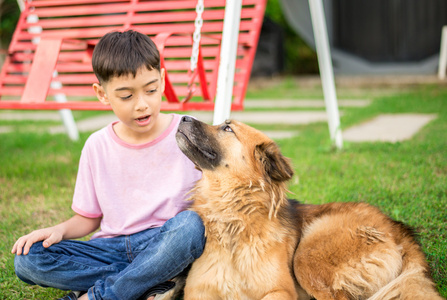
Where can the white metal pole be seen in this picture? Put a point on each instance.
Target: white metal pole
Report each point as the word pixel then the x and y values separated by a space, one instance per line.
pixel 443 54
pixel 326 70
pixel 66 114
pixel 225 79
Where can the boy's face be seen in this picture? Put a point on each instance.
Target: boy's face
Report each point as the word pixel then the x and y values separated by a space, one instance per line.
pixel 135 100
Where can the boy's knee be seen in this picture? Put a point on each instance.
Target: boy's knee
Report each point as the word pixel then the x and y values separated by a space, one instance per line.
pixel 23 267
pixel 27 267
pixel 197 232
pixel 190 226
pixel 192 223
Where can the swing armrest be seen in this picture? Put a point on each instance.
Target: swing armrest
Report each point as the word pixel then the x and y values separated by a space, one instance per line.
pixel 160 42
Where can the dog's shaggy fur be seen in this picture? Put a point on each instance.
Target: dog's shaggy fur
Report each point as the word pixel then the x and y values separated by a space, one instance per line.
pixel 262 246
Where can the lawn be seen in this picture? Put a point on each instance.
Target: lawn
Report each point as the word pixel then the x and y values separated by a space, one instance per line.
pixel 407 180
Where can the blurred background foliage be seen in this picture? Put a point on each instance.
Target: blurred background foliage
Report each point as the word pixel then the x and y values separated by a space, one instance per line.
pixel 299 57
pixel 9 15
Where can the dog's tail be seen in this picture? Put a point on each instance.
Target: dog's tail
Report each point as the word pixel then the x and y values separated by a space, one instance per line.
pixel 414 282
pixel 411 284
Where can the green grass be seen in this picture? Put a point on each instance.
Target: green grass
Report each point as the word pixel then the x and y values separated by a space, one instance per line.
pixel 407 180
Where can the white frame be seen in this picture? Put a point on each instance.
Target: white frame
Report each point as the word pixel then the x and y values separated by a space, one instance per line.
pixel 222 108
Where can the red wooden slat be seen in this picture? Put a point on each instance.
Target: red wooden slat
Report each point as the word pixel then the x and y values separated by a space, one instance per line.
pixel 169 52
pixel 180 40
pixel 69 90
pixel 97 9
pixel 89 78
pixel 41 73
pixel 49 3
pixel 144 17
pixel 61 67
pixel 152 29
pixel 87 91
pixel 210 29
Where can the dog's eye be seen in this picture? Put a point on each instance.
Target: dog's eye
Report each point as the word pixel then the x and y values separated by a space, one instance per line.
pixel 228 129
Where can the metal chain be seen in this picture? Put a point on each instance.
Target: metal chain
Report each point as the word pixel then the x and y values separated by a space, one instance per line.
pixel 200 7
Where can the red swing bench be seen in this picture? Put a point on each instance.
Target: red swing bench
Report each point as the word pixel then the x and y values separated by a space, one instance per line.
pixel 50 52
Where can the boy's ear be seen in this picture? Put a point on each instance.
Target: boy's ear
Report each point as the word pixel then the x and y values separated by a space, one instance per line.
pixel 101 94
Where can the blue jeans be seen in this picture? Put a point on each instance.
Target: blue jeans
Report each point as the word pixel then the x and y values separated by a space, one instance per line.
pixel 122 267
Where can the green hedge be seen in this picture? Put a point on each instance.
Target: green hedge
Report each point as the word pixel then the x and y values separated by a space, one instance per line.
pixel 299 58
pixel 9 15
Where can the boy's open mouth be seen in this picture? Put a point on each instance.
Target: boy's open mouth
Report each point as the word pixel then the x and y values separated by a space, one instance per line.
pixel 143 118
pixel 143 121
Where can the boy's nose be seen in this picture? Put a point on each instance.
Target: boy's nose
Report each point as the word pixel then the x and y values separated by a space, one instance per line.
pixel 141 104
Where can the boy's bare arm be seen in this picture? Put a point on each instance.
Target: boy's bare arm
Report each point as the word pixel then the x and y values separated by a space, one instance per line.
pixel 75 227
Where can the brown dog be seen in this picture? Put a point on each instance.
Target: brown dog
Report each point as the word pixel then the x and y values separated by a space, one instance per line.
pixel 262 246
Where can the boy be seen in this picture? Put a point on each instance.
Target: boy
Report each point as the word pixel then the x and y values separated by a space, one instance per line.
pixel 132 181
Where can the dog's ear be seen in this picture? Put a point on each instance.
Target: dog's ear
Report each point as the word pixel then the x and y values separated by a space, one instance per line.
pixel 276 166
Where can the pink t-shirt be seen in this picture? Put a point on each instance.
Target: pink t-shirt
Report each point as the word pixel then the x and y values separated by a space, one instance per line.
pixel 132 187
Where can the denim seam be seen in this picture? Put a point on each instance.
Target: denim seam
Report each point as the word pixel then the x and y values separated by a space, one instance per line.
pixel 130 256
pixel 92 290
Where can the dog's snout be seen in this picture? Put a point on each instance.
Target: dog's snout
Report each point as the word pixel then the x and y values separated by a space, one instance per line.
pixel 187 119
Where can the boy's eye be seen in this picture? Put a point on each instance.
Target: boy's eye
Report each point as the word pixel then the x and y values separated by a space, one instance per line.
pixel 151 91
pixel 126 97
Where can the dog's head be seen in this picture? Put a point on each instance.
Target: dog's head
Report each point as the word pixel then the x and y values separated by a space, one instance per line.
pixel 236 150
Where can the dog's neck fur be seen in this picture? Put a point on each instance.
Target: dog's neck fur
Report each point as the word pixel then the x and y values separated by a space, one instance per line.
pixel 228 215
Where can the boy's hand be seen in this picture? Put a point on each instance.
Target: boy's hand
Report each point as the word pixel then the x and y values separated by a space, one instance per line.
pixel 76 227
pixel 49 236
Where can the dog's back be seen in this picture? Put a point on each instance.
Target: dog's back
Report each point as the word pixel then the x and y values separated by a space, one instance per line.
pixel 353 251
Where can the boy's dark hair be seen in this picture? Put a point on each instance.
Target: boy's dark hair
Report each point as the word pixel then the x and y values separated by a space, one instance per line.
pixel 123 53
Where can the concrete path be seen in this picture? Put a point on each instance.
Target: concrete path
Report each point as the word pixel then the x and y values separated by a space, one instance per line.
pixel 37 115
pixel 5 129
pixel 388 128
pixel 302 103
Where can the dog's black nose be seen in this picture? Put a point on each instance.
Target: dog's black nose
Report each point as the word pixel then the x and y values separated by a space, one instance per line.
pixel 186 119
